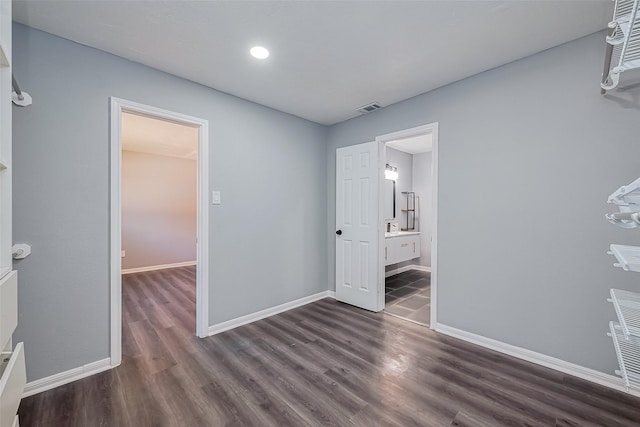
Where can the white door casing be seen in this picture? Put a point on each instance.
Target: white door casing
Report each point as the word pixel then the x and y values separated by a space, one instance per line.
pixel 431 128
pixel 202 260
pixel 357 225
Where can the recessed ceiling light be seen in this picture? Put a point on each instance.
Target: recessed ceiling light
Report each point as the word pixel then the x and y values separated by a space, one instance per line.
pixel 259 52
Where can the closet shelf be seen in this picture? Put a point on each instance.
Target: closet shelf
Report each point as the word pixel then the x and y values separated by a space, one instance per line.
pixel 626 195
pixel 623 52
pixel 628 257
pixel 627 306
pixel 627 199
pixel 628 353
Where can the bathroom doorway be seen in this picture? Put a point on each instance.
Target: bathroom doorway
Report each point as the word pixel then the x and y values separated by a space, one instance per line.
pixel 408 211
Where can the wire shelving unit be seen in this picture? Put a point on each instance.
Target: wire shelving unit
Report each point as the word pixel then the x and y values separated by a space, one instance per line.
pixel 623 43
pixel 626 332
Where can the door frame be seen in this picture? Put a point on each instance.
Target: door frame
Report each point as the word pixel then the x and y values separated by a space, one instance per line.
pixel 118 106
pixel 382 140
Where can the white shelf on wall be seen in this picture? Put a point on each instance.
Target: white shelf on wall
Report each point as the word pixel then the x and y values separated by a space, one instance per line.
pixel 627 306
pixel 626 333
pixel 623 51
pixel 627 194
pixel 628 257
pixel 628 352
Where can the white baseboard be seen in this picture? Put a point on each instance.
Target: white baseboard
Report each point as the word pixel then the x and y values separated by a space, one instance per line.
pixel 407 268
pixel 157 267
pixel 53 381
pixel 588 374
pixel 249 318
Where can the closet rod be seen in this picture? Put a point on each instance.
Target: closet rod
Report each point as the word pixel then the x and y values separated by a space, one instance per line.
pixel 16 88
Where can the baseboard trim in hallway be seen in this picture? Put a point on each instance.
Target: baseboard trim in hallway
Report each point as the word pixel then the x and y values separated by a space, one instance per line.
pixel 582 372
pixel 258 315
pixel 158 267
pixel 62 378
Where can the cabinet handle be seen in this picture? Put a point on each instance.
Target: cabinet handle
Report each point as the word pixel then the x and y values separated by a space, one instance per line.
pixel 414 247
pixel 404 245
pixel 385 253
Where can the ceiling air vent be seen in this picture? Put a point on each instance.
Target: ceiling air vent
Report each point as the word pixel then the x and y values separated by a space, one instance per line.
pixel 369 108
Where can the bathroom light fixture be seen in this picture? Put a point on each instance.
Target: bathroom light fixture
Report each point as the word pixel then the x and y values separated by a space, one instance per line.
pixel 390 172
pixel 259 52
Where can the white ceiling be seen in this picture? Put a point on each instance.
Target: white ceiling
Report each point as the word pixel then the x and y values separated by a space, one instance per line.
pixel 154 136
pixel 327 57
pixel 413 144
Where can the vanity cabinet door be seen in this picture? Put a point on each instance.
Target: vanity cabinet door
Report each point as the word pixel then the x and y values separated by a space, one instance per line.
pixel 402 248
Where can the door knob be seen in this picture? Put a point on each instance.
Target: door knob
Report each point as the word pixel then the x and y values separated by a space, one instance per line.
pixel 339 232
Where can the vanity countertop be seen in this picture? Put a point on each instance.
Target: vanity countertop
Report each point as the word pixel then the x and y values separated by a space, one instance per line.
pixel 400 234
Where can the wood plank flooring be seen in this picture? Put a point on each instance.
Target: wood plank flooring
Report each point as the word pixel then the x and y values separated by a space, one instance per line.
pixel 322 364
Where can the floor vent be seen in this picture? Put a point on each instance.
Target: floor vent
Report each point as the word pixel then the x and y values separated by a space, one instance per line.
pixel 369 108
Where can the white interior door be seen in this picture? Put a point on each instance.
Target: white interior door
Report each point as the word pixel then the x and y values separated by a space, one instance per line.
pixel 357 234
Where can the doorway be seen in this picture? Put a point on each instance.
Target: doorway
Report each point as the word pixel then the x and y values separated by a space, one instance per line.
pixel 408 201
pixel 361 252
pixel 168 246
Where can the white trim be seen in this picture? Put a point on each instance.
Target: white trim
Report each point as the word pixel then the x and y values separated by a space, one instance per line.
pixel 115 238
pixel 62 378
pixel 158 267
pixel 382 160
pixel 588 374
pixel 267 312
pixel 434 227
pixel 406 133
pixel 202 258
pixel 202 275
pixel 407 268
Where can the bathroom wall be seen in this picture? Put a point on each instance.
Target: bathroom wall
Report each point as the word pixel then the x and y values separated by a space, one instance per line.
pixel 422 185
pixel 159 209
pixel 404 162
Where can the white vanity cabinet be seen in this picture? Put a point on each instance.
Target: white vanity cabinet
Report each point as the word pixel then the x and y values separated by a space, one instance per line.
pixel 12 366
pixel 401 246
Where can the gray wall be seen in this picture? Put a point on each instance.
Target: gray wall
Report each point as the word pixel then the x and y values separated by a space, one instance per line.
pixel 268 239
pixel 423 186
pixel 159 209
pixel 528 154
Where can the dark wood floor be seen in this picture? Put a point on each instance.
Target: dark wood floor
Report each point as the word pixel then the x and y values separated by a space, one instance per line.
pixel 322 364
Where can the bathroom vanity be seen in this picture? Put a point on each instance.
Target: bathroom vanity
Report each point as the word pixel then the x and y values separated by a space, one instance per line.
pixel 401 246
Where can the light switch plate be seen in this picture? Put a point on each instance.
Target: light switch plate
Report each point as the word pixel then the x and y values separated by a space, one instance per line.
pixel 216 197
